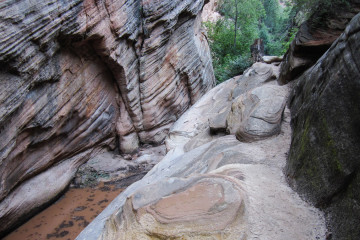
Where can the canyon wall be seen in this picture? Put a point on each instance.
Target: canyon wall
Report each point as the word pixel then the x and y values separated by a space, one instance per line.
pixel 323 163
pixel 77 76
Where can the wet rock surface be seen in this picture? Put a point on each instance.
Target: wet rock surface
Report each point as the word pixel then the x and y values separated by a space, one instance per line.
pixel 34 193
pixel 80 76
pixel 324 161
pixel 213 185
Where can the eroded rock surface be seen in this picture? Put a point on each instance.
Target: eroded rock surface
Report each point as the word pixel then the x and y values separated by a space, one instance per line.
pixel 214 186
pixel 214 107
pixel 324 161
pixel 314 38
pixel 76 75
pixel 36 192
pixel 257 114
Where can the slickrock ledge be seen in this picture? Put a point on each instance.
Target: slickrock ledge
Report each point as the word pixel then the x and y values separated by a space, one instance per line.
pixel 213 186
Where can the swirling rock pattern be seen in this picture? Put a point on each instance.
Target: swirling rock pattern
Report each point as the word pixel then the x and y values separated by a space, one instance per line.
pixel 200 207
pixel 81 74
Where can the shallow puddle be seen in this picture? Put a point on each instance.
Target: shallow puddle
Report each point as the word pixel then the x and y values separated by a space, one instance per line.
pixel 67 217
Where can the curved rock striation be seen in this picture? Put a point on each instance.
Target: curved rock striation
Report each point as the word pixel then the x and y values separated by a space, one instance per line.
pixel 35 193
pixel 78 75
pixel 323 163
pixel 200 207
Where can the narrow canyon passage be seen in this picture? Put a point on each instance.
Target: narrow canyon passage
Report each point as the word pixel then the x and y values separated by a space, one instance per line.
pixel 68 216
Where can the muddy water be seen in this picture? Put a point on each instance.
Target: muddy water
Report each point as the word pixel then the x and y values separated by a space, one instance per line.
pixel 66 218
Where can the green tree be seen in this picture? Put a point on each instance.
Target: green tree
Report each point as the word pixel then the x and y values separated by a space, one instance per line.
pixel 231 37
pixel 244 21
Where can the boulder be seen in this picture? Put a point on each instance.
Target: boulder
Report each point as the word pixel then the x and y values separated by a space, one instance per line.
pixel 257 114
pixel 120 169
pixel 272 59
pixel 213 108
pixel 323 163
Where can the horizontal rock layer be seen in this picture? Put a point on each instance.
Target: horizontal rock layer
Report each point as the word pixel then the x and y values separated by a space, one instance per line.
pixel 76 75
pixel 323 164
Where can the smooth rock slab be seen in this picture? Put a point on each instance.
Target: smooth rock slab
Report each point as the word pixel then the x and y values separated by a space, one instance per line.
pixel 272 210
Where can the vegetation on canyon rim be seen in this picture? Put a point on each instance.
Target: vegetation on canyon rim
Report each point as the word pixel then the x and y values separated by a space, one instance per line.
pixel 243 21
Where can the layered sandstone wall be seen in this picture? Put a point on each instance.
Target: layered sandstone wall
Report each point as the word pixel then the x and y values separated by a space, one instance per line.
pixel 80 75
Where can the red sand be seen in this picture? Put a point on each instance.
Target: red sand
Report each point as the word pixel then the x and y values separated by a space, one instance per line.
pixel 67 217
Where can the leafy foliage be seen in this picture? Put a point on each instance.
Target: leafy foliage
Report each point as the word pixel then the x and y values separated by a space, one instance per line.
pixel 228 60
pixel 244 21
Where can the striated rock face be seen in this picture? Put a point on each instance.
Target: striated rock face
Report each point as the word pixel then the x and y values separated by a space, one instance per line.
pixel 76 75
pixel 324 164
pixel 211 186
pixel 313 39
